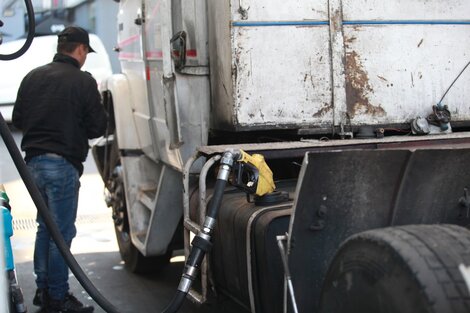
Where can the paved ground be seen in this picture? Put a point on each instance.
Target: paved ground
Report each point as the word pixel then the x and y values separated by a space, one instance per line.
pixel 95 249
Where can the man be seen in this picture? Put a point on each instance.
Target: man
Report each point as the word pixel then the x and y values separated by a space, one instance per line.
pixel 58 108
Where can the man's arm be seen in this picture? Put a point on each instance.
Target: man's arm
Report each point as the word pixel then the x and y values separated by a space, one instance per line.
pixel 95 116
pixel 17 117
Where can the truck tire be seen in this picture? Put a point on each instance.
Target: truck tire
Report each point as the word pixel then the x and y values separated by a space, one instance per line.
pixel 407 269
pixel 134 261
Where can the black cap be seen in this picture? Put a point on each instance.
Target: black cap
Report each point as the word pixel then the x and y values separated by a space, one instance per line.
pixel 75 34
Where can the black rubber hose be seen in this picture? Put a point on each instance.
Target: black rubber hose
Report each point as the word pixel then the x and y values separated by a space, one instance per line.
pixel 199 249
pixel 51 225
pixel 176 302
pixel 214 205
pixel 29 39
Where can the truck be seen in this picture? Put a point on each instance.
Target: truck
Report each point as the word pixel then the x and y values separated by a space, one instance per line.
pixel 341 127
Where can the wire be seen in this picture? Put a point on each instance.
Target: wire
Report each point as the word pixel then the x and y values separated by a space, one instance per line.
pixel 439 103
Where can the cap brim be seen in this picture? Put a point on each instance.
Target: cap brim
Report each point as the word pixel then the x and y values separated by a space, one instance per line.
pixel 90 49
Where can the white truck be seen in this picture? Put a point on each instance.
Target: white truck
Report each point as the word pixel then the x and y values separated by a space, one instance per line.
pixel 361 110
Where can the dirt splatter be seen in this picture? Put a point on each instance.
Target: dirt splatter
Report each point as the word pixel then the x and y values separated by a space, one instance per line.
pixel 382 78
pixel 358 88
pixel 325 109
pixel 348 41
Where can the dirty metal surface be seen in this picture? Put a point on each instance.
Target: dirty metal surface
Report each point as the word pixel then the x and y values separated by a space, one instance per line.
pixel 405 10
pixel 278 10
pixel 280 77
pixel 273 149
pixel 291 64
pixel 395 73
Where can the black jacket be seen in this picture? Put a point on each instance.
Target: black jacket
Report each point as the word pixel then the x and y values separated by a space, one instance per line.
pixel 59 108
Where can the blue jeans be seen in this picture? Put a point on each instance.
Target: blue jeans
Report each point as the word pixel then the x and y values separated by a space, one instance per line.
pixel 58 182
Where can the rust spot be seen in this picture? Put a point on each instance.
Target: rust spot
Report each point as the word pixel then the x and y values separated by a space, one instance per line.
pixel 348 41
pixel 357 28
pixel 337 20
pixel 325 109
pixel 358 88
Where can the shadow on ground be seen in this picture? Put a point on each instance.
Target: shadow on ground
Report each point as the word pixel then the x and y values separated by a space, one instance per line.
pixel 128 292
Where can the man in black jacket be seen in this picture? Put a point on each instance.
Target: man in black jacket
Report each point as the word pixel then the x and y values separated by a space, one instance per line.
pixel 58 108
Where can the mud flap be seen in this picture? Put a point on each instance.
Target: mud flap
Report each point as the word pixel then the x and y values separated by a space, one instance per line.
pixel 345 192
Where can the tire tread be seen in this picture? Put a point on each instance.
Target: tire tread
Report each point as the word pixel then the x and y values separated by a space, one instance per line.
pixel 439 249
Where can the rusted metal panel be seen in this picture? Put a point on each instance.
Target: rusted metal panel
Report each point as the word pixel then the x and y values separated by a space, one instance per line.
pixel 273 70
pixel 296 64
pixel 337 63
pixel 395 73
pixel 281 77
pixel 406 10
pixel 400 56
pixel 278 10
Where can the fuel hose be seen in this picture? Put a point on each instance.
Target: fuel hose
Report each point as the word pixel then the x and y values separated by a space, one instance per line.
pixel 201 243
pixel 29 38
pixel 35 194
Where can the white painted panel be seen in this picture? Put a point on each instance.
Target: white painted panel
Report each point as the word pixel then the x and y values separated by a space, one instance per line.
pixel 279 10
pixel 282 76
pixel 406 9
pixel 397 72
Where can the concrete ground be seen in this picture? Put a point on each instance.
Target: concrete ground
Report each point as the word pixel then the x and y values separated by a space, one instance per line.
pixel 95 249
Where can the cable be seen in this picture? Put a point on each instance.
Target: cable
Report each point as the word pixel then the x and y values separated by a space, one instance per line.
pixel 445 93
pixel 51 225
pixel 29 39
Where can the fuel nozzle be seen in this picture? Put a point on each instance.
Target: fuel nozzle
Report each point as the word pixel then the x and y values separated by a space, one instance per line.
pixel 252 174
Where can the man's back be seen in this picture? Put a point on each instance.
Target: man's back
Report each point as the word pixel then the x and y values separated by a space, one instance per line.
pixel 58 109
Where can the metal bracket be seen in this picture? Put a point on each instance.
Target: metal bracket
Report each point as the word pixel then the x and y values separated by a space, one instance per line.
pixel 288 279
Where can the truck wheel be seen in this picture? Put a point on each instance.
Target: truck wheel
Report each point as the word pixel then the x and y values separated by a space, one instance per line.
pixel 406 269
pixel 134 261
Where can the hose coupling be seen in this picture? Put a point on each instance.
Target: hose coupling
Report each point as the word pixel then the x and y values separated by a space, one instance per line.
pixel 209 224
pixel 185 284
pixel 202 241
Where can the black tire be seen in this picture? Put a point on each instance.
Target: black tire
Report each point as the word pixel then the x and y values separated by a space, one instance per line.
pixel 134 261
pixel 408 269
